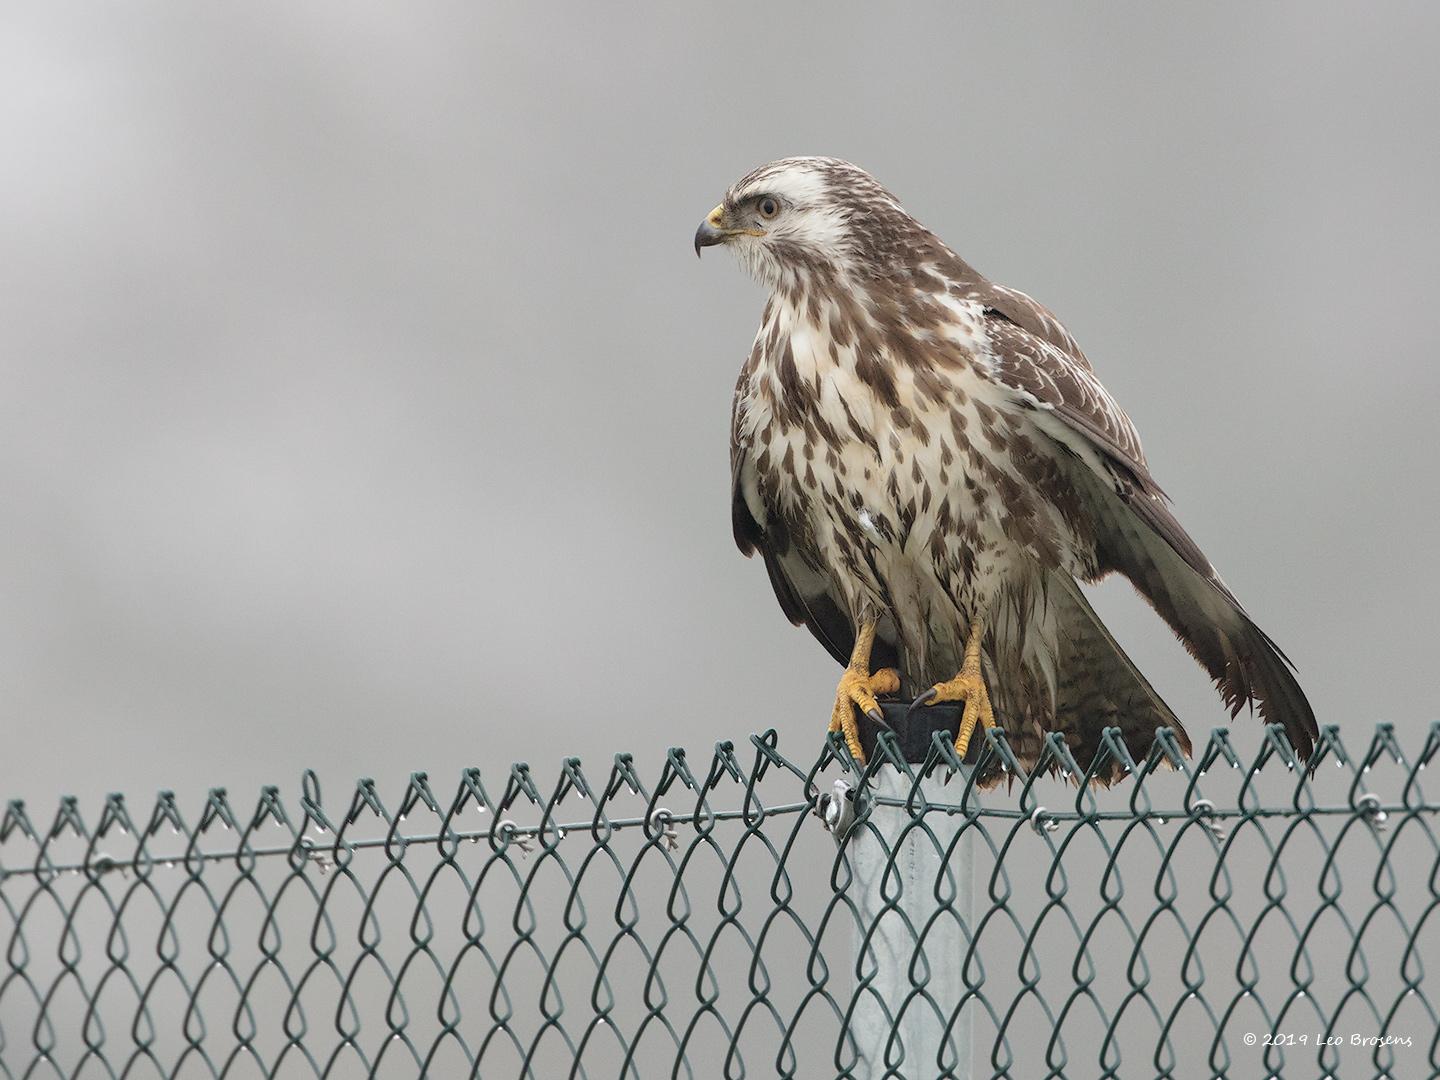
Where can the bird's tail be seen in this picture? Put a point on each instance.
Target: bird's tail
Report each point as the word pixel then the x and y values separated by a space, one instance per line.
pixel 1096 686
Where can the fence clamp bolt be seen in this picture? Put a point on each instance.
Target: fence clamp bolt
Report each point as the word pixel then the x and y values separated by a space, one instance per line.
pixel 836 808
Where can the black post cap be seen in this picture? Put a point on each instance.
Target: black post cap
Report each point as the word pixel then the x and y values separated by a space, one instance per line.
pixel 912 727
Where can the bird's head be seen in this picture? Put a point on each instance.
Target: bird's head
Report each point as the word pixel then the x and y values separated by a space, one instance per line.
pixel 800 217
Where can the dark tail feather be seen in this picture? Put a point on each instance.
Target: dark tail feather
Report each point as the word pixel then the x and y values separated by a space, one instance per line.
pixel 1098 686
pixel 1265 676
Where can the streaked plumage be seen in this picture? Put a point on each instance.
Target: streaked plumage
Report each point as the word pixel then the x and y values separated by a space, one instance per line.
pixel 916 445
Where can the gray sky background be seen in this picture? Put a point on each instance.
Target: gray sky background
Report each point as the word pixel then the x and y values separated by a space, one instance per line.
pixel 365 406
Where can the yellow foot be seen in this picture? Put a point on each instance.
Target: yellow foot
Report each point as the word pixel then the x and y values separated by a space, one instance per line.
pixel 969 687
pixel 859 687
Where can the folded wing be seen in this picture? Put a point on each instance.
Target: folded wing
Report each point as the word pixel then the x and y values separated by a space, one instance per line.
pixel 1136 533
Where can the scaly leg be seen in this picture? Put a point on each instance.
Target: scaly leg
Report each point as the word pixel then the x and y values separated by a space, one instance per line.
pixel 969 687
pixel 859 687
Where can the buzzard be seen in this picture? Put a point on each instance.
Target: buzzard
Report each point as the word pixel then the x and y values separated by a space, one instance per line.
pixel 928 465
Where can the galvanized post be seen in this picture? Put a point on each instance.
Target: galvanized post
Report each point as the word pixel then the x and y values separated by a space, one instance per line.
pixel 914 896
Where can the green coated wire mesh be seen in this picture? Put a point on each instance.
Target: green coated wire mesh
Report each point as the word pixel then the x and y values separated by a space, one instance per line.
pixel 1223 918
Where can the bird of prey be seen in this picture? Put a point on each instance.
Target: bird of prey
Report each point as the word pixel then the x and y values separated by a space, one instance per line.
pixel 928 465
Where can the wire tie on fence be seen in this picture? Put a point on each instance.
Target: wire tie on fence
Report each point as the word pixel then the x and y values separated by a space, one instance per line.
pixel 1202 809
pixel 322 862
pixel 1042 822
pixel 1369 805
pixel 105 864
pixel 661 817
pixel 511 832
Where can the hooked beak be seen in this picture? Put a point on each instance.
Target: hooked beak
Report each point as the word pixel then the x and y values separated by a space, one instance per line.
pixel 712 230
pixel 716 229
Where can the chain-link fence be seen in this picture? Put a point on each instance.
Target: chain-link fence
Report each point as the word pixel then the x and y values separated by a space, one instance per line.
pixel 744 914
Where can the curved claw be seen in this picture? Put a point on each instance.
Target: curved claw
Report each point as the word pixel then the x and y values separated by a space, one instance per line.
pixel 927 698
pixel 857 691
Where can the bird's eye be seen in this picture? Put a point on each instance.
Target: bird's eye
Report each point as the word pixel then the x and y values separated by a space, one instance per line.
pixel 769 207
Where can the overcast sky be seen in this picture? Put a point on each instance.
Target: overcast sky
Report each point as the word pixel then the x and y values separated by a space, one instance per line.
pixel 366 408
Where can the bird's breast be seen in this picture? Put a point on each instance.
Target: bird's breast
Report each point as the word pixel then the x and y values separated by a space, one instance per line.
pixel 868 448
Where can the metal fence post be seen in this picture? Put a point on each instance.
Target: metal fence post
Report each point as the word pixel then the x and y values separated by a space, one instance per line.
pixel 914 896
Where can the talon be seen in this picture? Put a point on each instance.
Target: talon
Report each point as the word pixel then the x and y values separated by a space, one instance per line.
pixel 968 686
pixel 858 687
pixel 927 698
